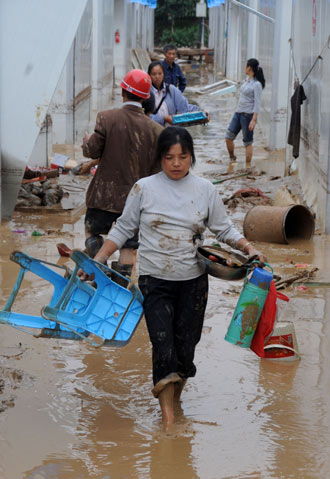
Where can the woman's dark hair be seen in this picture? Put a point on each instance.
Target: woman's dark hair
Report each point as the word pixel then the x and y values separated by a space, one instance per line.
pixel 131 97
pixel 257 71
pixel 149 104
pixel 173 135
pixel 157 63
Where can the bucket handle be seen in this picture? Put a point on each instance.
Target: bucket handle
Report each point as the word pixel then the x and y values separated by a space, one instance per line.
pixel 265 264
pixel 281 346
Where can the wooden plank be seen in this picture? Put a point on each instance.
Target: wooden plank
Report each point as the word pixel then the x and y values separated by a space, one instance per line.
pixel 194 52
pixel 143 58
pixel 135 61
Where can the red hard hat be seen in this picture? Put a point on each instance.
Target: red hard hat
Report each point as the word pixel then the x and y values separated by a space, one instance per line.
pixel 137 82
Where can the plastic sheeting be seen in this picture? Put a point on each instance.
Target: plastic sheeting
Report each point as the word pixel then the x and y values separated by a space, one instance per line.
pixel 148 3
pixel 215 3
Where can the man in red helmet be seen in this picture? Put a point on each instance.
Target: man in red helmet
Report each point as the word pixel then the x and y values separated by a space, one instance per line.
pixel 124 140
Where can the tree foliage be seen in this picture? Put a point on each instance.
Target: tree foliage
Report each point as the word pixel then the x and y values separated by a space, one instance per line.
pixel 176 22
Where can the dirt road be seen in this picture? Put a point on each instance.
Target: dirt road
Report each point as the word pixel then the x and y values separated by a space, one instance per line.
pixel 69 411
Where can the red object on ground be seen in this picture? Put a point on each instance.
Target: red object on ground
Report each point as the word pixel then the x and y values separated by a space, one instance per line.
pixel 301 288
pixel 34 180
pixel 33 172
pixel 64 250
pixel 267 320
pixel 249 192
pixel 285 340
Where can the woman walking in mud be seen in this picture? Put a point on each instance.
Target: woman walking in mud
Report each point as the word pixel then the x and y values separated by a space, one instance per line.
pixel 171 210
pixel 247 110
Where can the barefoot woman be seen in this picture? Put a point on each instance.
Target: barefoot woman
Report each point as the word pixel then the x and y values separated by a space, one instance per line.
pixel 171 210
pixel 245 117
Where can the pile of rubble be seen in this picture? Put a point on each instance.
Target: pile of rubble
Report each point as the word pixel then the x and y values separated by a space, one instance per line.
pixel 47 193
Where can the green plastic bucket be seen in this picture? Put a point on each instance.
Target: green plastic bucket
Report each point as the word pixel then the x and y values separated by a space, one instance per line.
pixel 246 315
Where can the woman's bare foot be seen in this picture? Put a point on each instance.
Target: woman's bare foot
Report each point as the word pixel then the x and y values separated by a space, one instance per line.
pixel 166 405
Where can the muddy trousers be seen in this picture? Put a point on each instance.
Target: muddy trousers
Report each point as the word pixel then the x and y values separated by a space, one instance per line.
pixel 174 312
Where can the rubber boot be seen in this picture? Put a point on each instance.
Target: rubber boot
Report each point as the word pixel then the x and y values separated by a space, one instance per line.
pixel 93 245
pixel 124 269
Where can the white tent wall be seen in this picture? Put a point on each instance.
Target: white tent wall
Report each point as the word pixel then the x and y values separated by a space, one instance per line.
pixel 218 37
pixel 135 23
pixel 122 49
pixel 32 57
pixel 149 28
pixel 142 26
pixel 85 84
pixel 310 32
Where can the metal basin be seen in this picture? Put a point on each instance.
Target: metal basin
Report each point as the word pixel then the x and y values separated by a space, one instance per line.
pixel 230 266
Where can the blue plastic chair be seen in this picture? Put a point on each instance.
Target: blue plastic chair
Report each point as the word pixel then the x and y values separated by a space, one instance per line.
pixel 77 309
pixel 80 297
pixel 113 312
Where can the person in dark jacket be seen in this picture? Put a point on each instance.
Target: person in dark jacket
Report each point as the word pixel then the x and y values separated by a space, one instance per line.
pixel 173 73
pixel 148 107
pixel 124 140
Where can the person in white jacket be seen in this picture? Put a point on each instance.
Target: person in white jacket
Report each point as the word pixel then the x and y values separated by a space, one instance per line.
pixel 171 210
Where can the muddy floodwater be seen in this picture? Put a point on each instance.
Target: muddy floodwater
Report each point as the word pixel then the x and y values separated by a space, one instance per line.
pixel 71 411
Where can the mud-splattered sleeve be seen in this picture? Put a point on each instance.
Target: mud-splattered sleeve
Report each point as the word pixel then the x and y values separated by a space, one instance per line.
pixel 128 223
pixel 95 144
pixel 219 222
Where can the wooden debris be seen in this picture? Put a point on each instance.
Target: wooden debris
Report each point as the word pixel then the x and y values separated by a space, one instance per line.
pixel 142 58
pixel 303 276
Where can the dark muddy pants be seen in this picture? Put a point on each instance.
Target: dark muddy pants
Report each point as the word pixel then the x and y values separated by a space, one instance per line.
pixel 99 222
pixel 174 312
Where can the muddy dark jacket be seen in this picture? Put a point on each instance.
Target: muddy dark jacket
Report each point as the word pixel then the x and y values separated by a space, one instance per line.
pixel 174 75
pixel 125 141
pixel 294 131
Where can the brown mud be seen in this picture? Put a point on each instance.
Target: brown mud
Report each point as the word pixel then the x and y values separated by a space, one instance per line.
pixel 70 411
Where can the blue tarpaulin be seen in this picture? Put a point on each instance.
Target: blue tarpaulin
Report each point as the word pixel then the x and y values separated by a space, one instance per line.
pixel 148 3
pixel 215 3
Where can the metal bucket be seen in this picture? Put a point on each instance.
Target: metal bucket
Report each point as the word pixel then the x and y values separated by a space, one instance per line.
pixel 278 224
pixel 282 345
pixel 229 266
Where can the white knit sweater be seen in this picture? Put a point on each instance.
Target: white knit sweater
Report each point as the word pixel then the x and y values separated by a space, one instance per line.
pixel 168 214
